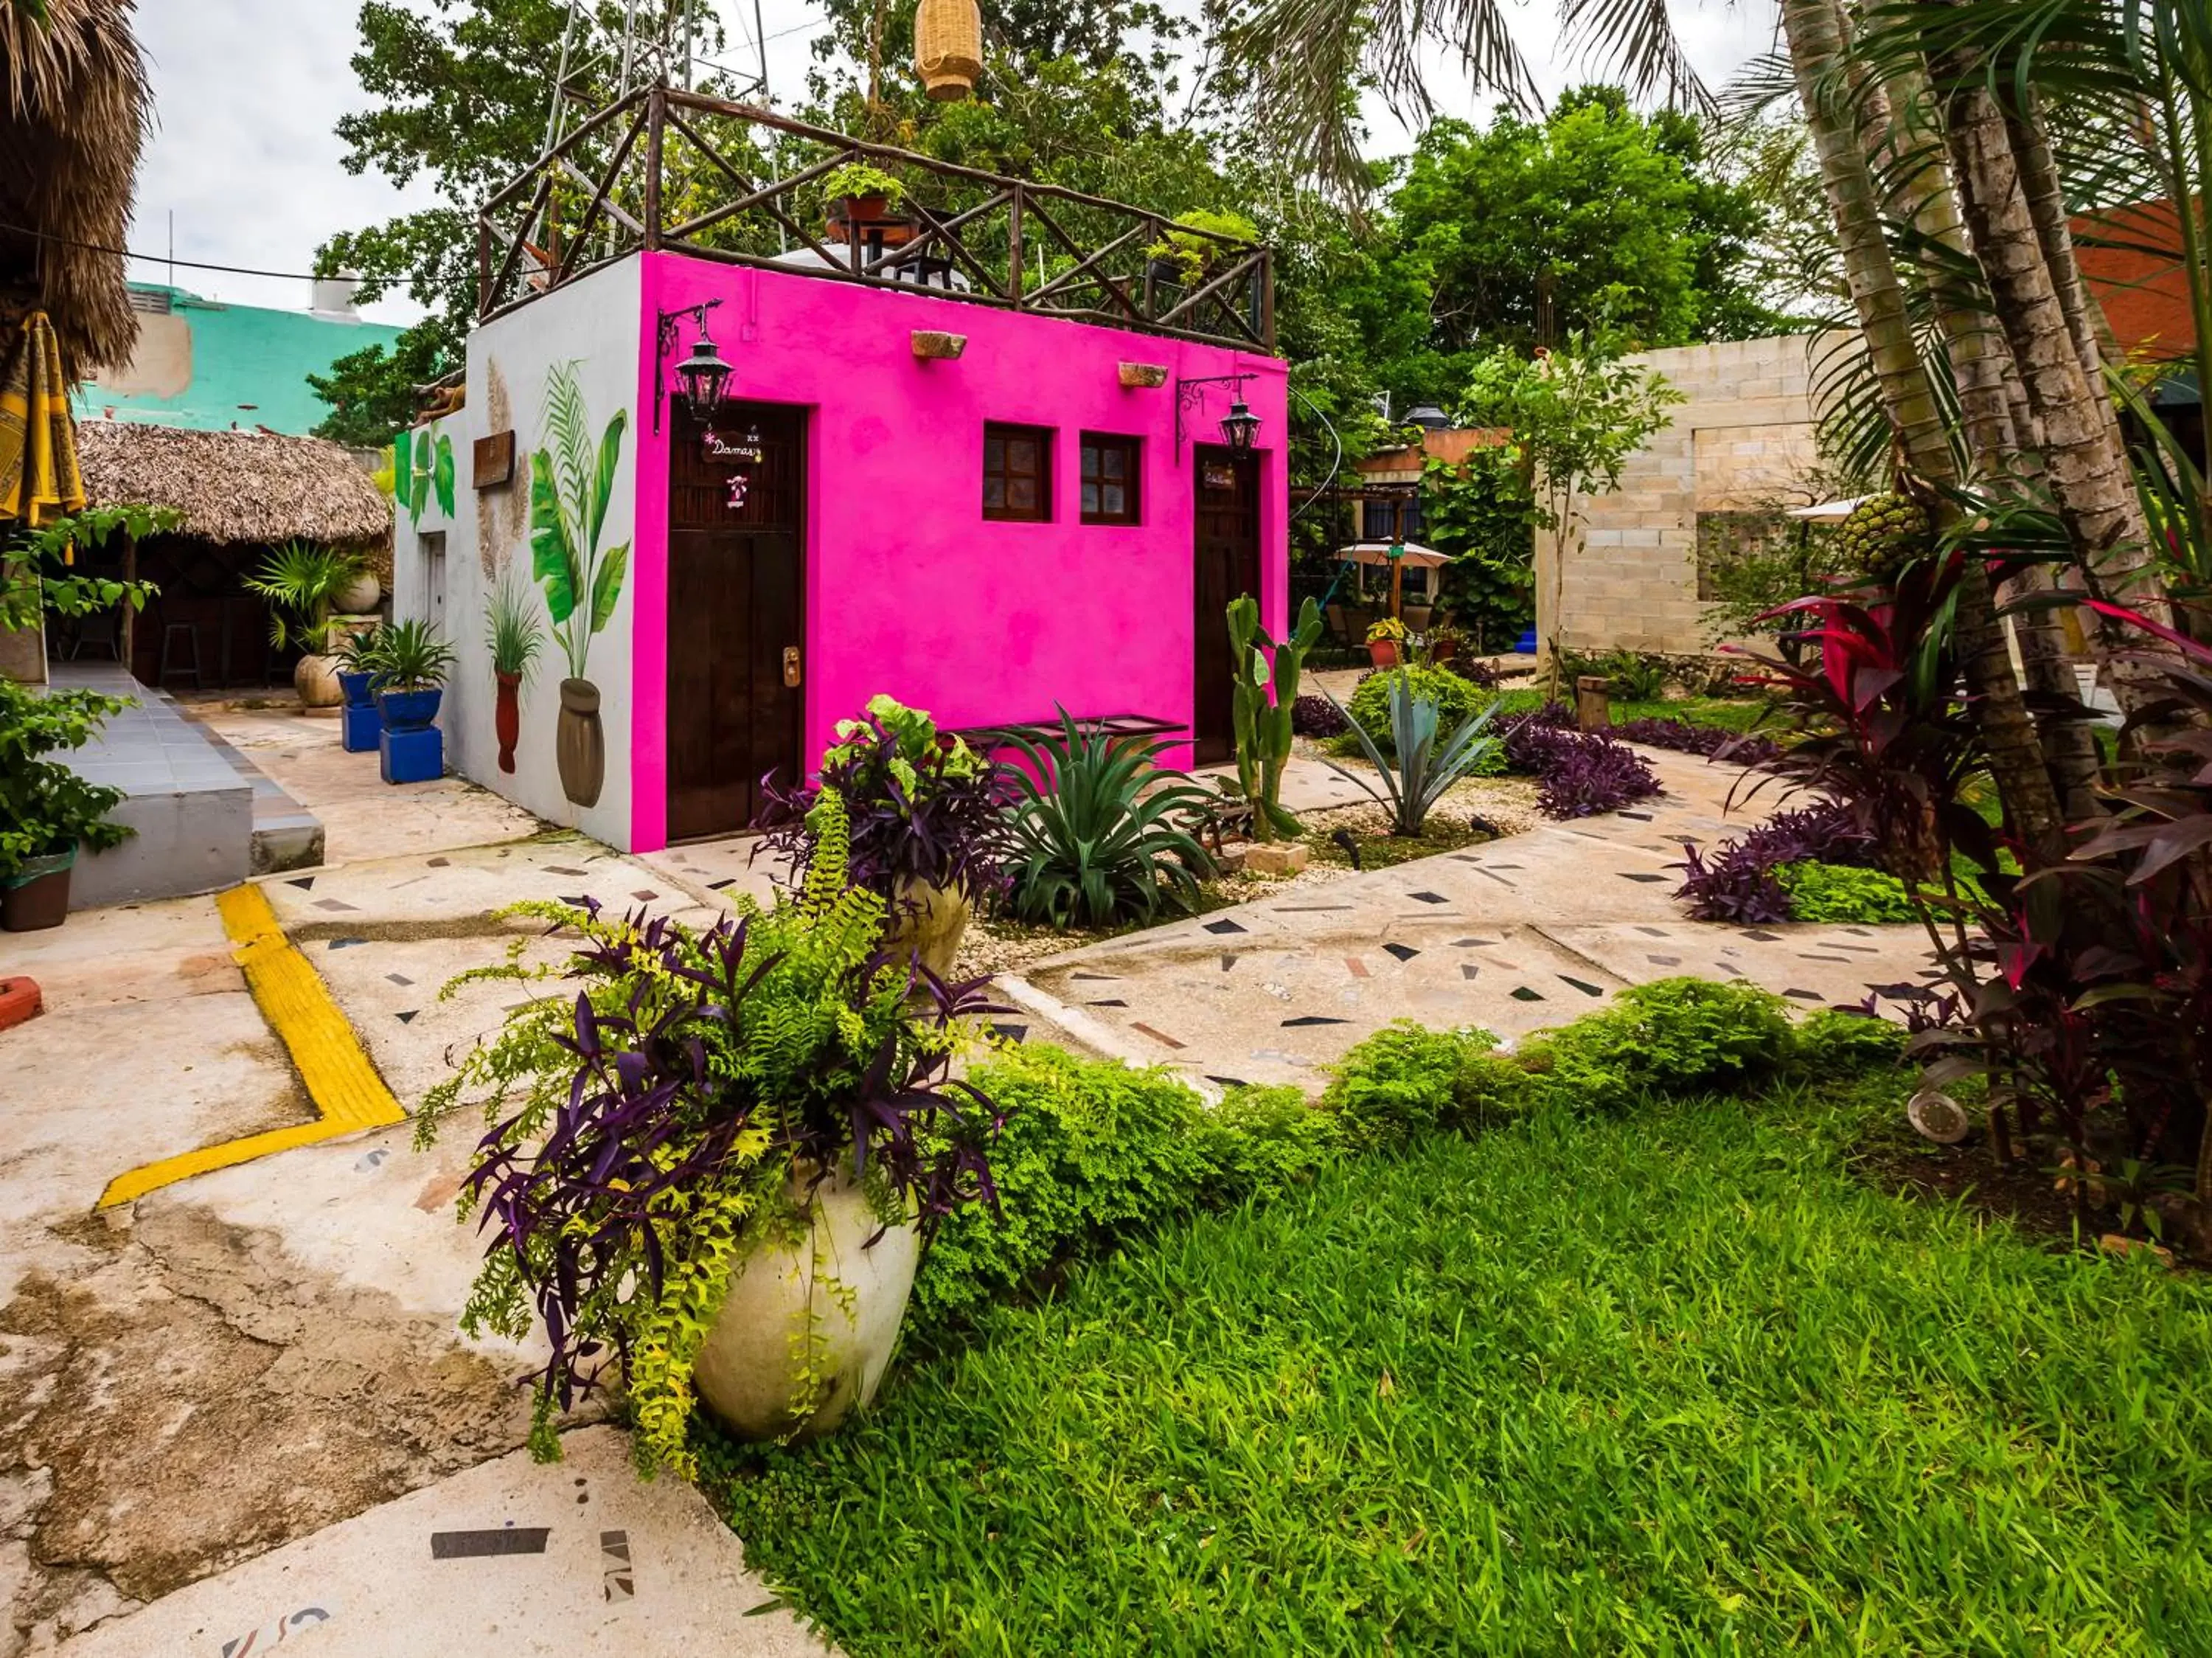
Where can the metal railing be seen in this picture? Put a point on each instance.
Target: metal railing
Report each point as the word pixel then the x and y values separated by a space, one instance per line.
pixel 663 168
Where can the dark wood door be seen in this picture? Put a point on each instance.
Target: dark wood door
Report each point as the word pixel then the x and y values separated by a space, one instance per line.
pixel 1228 560
pixel 736 579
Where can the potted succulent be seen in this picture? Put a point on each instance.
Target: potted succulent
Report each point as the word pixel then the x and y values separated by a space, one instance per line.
pixel 515 636
pixel 1386 640
pixel 708 1172
pixel 361 722
pixel 922 814
pixel 861 193
pixel 48 813
pixel 303 583
pixel 411 664
pixel 1444 641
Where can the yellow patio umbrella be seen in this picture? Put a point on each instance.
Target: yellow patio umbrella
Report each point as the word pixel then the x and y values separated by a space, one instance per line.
pixel 39 480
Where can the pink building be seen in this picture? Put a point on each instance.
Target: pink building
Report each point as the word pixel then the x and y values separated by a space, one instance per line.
pixel 939 467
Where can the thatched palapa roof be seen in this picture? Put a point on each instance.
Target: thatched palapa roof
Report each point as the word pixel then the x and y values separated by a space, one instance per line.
pixel 73 108
pixel 253 487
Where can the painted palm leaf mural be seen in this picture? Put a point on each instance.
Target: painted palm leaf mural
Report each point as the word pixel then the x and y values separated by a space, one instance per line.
pixel 571 480
pixel 425 472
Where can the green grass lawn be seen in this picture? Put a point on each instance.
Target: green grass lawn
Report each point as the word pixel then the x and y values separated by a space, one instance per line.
pixel 1674 1382
pixel 1729 713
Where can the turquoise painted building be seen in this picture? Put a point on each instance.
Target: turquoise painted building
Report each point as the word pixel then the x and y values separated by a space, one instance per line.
pixel 210 366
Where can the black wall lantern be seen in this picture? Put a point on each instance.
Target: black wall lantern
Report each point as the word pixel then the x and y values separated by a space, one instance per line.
pixel 702 374
pixel 1238 427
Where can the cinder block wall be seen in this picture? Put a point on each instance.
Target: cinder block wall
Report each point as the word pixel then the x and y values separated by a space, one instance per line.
pixel 1743 438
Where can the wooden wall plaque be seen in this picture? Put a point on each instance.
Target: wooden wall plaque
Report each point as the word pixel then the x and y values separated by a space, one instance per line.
pixel 493 460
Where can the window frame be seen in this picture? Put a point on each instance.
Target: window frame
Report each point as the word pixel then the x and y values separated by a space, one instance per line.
pixel 1132 449
pixel 999 431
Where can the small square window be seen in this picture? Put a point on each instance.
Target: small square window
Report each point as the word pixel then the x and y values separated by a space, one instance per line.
pixel 1110 474
pixel 1018 472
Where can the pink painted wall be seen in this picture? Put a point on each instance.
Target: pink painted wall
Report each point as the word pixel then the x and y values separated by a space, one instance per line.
pixel 909 589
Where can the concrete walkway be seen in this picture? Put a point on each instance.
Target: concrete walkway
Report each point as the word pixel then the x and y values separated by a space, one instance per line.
pixel 1515 936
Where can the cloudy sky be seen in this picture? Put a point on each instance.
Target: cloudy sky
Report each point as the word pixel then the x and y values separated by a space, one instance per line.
pixel 244 164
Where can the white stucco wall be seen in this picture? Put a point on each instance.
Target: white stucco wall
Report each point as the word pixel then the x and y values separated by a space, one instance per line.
pixel 592 324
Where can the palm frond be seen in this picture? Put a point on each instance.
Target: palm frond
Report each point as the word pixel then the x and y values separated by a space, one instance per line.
pixel 1634 42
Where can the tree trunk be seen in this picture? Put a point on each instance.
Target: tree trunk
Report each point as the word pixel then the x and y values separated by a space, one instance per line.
pixel 2085 464
pixel 1982 370
pixel 1815 30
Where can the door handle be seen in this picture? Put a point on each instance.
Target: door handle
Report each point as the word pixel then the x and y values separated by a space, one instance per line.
pixel 791 674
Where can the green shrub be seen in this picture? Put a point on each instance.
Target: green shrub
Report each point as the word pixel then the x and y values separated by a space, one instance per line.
pixel 1406 1081
pixel 1672 1035
pixel 1832 1043
pixel 1837 893
pixel 1092 1149
pixel 1455 698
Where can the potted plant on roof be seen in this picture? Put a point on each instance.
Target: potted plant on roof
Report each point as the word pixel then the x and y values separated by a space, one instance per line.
pixel 1385 639
pixel 710 1172
pixel 410 665
pixel 923 820
pixel 48 813
pixel 360 722
pixel 1190 250
pixel 861 193
pixel 303 582
pixel 572 485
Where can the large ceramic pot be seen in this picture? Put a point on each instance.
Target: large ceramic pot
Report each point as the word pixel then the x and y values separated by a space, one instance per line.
pixel 580 746
pixel 806 1332
pixel 316 680
pixel 37 895
pixel 409 710
pixel 507 719
pixel 361 597
pixel 928 922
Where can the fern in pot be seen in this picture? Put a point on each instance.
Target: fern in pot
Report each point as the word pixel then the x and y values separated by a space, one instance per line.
pixel 709 1172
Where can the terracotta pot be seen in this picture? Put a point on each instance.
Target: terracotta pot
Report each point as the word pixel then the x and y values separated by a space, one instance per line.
pixel 812 1296
pixel 580 746
pixel 927 922
pixel 316 680
pixel 507 718
pixel 1383 653
pixel 1444 649
pixel 37 895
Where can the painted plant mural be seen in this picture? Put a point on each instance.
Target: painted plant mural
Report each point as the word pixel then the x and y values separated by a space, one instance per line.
pixel 571 481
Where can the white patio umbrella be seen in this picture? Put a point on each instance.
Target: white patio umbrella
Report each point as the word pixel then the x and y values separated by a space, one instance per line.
pixel 1824 512
pixel 1398 555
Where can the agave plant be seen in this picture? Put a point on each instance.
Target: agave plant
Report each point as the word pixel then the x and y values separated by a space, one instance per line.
pixel 411 656
pixel 358 653
pixel 570 486
pixel 1100 831
pixel 1425 767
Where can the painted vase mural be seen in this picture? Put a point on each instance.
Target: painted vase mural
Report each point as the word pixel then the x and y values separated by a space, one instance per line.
pixel 571 485
pixel 515 635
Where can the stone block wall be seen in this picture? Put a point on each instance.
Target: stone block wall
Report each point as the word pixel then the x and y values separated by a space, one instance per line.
pixel 1745 438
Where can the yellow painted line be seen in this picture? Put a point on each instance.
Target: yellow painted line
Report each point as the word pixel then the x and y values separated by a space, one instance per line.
pixel 336 1071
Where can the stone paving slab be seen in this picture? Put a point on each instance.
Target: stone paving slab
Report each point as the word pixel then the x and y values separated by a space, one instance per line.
pixel 512 1556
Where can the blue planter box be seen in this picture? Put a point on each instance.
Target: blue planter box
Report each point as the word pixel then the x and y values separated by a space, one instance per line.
pixel 1525 644
pixel 418 756
pixel 409 710
pixel 359 727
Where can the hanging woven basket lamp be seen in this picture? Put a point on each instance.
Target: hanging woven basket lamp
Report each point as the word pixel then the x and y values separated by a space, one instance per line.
pixel 948 47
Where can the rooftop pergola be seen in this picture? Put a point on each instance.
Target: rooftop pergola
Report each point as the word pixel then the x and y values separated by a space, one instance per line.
pixel 664 169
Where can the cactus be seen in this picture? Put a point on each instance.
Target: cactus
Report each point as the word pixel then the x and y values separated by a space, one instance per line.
pixel 1263 724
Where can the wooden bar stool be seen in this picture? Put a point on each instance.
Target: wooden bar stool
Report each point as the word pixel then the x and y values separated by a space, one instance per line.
pixel 176 663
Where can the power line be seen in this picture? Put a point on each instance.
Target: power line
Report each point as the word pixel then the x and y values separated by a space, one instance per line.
pixel 159 258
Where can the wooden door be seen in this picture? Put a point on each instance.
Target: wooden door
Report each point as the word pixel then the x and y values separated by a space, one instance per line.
pixel 735 575
pixel 1228 564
